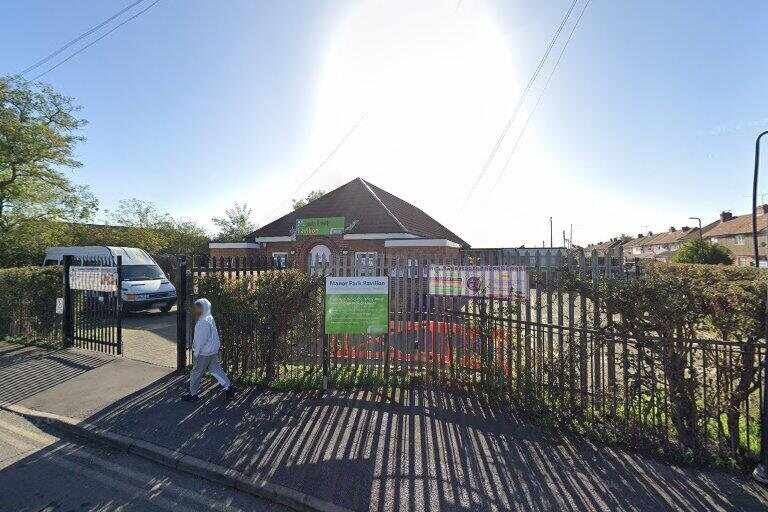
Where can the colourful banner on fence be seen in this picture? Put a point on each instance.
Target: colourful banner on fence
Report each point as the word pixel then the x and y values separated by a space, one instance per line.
pixel 100 279
pixel 321 226
pixel 356 305
pixel 497 282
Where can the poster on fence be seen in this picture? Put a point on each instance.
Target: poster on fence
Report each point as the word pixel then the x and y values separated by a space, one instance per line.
pixel 356 305
pixel 495 282
pixel 100 279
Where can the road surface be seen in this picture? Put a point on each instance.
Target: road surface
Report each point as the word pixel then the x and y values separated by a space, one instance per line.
pixel 40 472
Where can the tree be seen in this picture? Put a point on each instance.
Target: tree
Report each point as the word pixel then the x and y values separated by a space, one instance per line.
pixel 236 223
pixel 38 134
pixel 314 194
pixel 144 225
pixel 698 250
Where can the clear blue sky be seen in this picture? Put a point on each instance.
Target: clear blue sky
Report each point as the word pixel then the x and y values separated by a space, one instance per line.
pixel 649 119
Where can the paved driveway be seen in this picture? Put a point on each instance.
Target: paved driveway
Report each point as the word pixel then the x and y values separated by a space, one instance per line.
pixel 150 337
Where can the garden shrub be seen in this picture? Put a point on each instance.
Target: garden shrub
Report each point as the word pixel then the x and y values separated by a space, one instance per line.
pixel 28 304
pixel 669 311
pixel 264 320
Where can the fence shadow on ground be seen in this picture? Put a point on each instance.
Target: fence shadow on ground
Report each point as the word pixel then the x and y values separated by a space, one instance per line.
pixel 424 450
pixel 27 371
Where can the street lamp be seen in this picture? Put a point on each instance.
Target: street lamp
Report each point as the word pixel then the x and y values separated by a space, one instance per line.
pixel 698 219
pixel 761 472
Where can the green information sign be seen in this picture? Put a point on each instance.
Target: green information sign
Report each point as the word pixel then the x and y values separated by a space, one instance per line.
pixel 320 226
pixel 356 305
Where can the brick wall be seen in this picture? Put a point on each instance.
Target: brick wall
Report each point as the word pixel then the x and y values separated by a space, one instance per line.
pixel 299 250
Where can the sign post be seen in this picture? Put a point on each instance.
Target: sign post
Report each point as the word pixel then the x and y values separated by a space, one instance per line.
pixel 356 305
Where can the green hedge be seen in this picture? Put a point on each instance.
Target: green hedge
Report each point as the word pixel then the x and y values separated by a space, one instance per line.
pixel 28 305
pixel 264 320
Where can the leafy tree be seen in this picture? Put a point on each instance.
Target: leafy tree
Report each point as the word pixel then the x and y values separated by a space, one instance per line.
pixel 142 224
pixel 38 134
pixel 236 223
pixel 698 250
pixel 314 194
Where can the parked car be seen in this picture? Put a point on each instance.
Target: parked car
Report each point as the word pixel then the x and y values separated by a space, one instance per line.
pixel 145 285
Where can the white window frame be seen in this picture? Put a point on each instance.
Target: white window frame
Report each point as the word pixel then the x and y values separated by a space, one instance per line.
pixel 370 259
pixel 280 259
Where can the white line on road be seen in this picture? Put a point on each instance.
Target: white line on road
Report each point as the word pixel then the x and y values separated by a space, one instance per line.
pixel 33 441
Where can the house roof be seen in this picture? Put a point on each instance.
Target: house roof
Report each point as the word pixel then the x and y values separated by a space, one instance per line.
pixel 739 225
pixel 366 209
pixel 670 237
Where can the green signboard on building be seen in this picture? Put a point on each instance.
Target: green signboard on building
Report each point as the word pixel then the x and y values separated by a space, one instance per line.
pixel 320 226
pixel 356 305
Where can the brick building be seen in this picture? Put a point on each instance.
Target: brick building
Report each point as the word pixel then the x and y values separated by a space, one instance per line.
pixel 735 233
pixel 358 219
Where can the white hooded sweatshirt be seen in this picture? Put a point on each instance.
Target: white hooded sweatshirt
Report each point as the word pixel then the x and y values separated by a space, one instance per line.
pixel 206 340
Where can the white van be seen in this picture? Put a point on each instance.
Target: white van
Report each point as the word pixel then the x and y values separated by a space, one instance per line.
pixel 145 286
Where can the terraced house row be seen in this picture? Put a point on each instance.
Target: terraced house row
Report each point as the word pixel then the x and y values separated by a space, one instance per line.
pixel 732 232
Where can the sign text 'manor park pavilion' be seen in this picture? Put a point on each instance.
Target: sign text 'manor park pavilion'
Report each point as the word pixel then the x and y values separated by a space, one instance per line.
pixel 356 305
pixel 320 226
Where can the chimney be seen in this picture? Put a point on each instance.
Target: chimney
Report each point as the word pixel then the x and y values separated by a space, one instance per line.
pixel 725 216
pixel 672 229
pixel 639 235
pixel 650 233
pixel 686 228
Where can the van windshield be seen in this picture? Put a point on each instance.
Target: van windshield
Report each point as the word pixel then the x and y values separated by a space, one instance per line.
pixel 142 272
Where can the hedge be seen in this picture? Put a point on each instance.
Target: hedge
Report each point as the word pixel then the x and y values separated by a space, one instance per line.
pixel 264 320
pixel 28 305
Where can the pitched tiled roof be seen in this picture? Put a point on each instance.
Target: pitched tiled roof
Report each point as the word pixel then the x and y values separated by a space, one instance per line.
pixel 740 225
pixel 670 237
pixel 366 208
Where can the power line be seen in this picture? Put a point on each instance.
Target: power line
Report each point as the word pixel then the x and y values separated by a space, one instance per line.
pixel 105 34
pixel 78 38
pixel 325 160
pixel 541 94
pixel 520 102
pixel 333 152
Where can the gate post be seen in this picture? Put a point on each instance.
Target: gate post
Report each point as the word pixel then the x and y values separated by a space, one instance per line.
pixel 181 315
pixel 67 323
pixel 119 305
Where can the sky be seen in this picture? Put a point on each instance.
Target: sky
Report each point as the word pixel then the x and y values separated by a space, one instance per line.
pixel 649 118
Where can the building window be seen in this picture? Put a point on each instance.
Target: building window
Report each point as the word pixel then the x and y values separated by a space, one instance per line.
pixel 714 240
pixel 365 263
pixel 280 259
pixel 739 239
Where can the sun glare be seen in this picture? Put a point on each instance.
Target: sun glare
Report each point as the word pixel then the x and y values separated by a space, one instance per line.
pixel 434 86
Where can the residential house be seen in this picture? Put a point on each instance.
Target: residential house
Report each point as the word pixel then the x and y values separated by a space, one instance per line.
pixel 659 246
pixel 735 234
pixel 358 220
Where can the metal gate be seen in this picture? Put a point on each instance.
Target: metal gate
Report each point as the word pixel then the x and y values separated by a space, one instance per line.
pixel 93 304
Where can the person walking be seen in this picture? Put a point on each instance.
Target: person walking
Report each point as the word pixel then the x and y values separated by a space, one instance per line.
pixel 205 352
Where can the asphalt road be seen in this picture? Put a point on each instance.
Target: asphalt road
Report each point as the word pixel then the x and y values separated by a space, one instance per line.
pixel 150 336
pixel 39 472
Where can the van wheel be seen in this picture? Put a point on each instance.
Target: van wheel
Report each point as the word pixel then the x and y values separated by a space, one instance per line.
pixel 167 308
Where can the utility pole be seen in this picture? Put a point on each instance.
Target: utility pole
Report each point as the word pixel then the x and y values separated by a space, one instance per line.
pixel 551 239
pixel 761 471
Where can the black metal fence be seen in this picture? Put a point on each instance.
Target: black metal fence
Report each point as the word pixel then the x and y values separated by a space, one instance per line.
pixel 93 304
pixel 552 352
